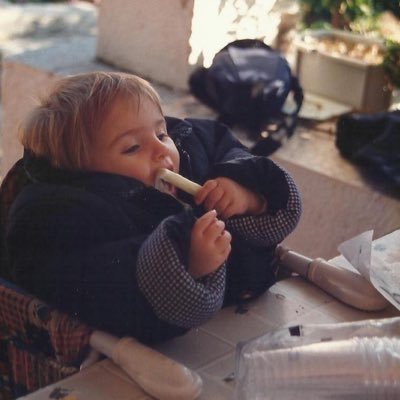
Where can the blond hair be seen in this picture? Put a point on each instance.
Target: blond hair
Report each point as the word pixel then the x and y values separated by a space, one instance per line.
pixel 64 124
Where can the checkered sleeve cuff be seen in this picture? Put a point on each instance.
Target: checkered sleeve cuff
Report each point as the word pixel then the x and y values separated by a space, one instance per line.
pixel 270 229
pixel 175 296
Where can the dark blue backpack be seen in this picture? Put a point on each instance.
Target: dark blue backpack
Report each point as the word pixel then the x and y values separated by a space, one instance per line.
pixel 247 85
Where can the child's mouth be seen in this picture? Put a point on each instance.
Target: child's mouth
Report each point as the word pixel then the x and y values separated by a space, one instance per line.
pixel 164 186
pixel 169 180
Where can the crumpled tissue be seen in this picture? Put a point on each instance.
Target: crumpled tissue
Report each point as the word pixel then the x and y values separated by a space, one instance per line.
pixel 376 263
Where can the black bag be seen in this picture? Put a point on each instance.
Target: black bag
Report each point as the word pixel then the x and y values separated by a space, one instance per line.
pixel 247 85
pixel 372 140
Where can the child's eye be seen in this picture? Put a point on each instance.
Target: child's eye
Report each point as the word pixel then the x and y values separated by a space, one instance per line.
pixel 131 149
pixel 162 136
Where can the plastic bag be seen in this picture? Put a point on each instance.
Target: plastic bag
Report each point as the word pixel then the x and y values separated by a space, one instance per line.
pixel 359 360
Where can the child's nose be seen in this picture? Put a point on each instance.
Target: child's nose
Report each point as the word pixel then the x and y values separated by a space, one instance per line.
pixel 160 150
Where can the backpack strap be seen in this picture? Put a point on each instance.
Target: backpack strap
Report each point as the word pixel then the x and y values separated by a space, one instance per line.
pixel 298 94
pixel 298 98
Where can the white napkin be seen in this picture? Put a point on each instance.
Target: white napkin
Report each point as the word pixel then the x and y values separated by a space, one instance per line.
pixel 380 267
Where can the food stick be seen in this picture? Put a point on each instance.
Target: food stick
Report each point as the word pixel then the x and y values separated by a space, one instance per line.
pixel 179 181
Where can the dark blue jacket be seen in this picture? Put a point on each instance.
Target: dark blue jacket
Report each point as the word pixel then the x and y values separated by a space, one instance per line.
pixel 74 237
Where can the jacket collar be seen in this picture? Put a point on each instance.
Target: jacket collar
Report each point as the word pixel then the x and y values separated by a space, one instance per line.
pixel 178 129
pixel 40 170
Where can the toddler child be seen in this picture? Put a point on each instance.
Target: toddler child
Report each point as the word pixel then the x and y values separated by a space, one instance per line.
pixel 91 234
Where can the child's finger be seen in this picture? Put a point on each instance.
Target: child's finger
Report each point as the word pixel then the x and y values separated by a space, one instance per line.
pixel 216 198
pixel 215 229
pixel 228 211
pixel 224 239
pixel 222 205
pixel 205 190
pixel 225 253
pixel 213 199
pixel 223 243
pixel 205 220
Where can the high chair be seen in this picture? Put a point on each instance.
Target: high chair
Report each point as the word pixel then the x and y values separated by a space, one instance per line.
pixel 38 344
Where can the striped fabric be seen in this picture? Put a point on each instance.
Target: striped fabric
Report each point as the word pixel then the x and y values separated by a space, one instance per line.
pixel 38 344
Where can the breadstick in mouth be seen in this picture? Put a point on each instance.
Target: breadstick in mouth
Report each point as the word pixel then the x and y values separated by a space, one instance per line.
pixel 165 175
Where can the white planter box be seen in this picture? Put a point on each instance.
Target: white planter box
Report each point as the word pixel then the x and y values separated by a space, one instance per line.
pixel 358 83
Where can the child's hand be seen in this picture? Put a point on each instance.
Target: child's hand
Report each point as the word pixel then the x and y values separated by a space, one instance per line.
pixel 229 198
pixel 210 245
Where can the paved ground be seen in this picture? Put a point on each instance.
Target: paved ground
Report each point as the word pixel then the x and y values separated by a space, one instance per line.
pixel 29 26
pixel 33 26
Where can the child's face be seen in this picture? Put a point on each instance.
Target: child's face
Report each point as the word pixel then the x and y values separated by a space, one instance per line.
pixel 134 142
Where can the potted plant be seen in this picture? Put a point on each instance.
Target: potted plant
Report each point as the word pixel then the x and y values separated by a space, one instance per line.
pixel 391 62
pixel 349 52
pixel 337 13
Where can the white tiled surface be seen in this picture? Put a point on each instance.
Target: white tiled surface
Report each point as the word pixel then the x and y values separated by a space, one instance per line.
pixel 211 349
pixel 225 325
pixel 196 349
